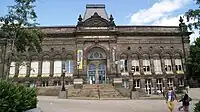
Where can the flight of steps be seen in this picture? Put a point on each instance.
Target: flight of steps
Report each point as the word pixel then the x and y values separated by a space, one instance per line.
pixel 89 90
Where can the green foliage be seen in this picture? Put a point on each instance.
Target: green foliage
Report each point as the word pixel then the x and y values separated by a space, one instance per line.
pixel 16 98
pixel 193 15
pixel 193 62
pixel 194 59
pixel 179 90
pixel 197 107
pixel 19 27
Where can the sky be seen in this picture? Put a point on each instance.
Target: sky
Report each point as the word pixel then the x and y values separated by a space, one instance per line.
pixel 125 12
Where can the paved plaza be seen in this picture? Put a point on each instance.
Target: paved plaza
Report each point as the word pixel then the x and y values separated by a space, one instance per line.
pixel 53 104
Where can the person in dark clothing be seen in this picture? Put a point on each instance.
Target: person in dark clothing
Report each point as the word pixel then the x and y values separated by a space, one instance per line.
pixel 186 102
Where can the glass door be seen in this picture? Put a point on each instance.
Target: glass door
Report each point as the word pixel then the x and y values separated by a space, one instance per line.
pixel 92 72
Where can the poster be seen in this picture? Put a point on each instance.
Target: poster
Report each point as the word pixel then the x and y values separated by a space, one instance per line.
pixel 80 59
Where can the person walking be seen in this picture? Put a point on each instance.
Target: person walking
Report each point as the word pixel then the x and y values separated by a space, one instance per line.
pixel 170 97
pixel 186 102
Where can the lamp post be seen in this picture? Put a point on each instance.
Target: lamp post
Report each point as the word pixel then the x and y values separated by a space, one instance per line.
pixel 116 66
pixel 78 63
pixel 133 88
pixel 63 79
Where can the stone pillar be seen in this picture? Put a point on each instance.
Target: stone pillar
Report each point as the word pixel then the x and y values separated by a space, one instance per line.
pixel 173 66
pixel 40 68
pixel 141 66
pixel 165 83
pixel 152 67
pixel 163 65
pixel 154 88
pixel 142 84
pixel 50 82
pixel 51 68
pixel 176 82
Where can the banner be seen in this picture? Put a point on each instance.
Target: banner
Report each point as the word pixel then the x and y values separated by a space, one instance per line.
pixel 80 59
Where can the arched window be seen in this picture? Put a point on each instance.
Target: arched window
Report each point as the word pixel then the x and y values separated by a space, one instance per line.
pixel 123 63
pixel 96 55
pixel 146 64
pixel 168 64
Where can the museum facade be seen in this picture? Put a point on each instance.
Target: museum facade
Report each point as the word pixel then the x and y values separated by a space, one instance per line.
pixel 97 50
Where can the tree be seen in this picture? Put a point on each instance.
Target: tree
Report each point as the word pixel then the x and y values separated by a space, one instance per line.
pixel 193 62
pixel 19 29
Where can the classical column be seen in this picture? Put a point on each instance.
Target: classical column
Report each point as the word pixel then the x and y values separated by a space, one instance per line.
pixel 141 66
pixel 176 82
pixel 142 84
pixel 40 68
pixel 165 83
pixel 152 66
pixel 154 88
pixel 51 68
pixel 173 66
pixel 163 65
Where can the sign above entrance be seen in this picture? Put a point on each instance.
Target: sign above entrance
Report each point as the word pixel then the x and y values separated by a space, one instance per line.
pixel 95 28
pixel 96 36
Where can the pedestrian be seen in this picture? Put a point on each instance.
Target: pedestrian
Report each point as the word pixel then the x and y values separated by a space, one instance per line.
pixel 186 102
pixel 170 97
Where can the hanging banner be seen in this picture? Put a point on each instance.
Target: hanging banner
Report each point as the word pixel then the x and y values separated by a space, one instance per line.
pixel 80 59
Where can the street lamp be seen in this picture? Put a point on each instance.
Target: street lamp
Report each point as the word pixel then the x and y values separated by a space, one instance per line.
pixel 116 67
pixel 78 63
pixel 133 88
pixel 63 79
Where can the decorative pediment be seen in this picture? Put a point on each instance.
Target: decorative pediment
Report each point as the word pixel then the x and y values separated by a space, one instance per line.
pixel 95 21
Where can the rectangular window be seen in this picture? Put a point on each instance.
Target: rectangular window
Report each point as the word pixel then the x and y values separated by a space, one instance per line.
pixel 181 81
pixel 69 66
pixel 178 64
pixel 123 65
pixel 22 69
pixel 157 66
pixel 168 66
pixel 159 85
pixel 170 82
pixel 135 67
pixel 45 69
pixel 57 68
pixel 34 69
pixel 12 69
pixel 146 66
pixel 137 83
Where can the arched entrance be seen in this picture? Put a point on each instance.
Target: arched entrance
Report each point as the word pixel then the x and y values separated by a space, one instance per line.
pixel 96 69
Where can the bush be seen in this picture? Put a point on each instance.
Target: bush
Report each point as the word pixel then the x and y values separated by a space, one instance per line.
pixel 197 107
pixel 16 97
pixel 179 90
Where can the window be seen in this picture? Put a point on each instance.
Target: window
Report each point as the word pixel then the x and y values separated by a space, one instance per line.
pixel 146 66
pixel 168 66
pixel 178 65
pixel 157 66
pixel 57 68
pixel 45 69
pixel 159 85
pixel 137 83
pixel 123 65
pixel 135 67
pixel 69 66
pixel 181 82
pixel 170 82
pixel 22 69
pixel 34 69
pixel 12 69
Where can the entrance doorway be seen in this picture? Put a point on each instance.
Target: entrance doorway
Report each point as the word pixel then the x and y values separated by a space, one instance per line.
pixel 97 73
pixel 96 69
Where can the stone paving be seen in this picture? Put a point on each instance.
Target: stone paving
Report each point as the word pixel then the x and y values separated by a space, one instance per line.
pixel 53 104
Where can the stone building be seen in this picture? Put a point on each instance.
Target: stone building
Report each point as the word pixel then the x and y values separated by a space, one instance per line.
pixel 99 51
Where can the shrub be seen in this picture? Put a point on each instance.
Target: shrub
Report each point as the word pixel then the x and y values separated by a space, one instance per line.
pixel 197 107
pixel 179 90
pixel 16 97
